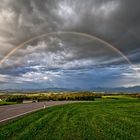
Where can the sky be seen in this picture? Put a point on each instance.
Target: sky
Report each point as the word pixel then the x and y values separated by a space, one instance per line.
pixel 69 44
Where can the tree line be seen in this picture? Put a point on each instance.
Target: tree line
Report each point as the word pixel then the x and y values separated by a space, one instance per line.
pixel 53 97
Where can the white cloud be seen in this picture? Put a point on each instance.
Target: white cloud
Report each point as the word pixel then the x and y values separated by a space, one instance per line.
pixel 68 13
pixel 65 10
pixel 3 78
pixel 7 16
pixel 105 9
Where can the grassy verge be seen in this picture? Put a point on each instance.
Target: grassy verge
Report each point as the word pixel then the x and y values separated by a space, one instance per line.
pixel 102 120
pixel 7 103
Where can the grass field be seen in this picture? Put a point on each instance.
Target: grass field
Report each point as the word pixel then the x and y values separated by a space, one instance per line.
pixel 97 120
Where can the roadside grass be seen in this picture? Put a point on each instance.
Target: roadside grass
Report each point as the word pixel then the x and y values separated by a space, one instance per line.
pixel 101 120
pixel 7 103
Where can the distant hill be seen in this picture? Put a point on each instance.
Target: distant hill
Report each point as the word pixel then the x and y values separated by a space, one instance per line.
pixel 95 89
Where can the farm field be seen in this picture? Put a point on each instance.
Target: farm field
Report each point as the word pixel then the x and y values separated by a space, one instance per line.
pixel 97 120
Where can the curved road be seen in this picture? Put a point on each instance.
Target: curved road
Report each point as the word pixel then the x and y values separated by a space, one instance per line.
pixel 9 112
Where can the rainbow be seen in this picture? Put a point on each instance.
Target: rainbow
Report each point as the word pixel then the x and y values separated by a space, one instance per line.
pixel 68 33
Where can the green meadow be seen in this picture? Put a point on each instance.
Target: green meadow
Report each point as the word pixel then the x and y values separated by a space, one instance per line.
pixel 95 120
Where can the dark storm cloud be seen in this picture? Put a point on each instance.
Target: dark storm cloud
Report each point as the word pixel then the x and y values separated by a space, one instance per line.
pixel 110 20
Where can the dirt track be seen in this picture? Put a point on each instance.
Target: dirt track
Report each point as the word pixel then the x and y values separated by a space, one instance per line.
pixel 9 112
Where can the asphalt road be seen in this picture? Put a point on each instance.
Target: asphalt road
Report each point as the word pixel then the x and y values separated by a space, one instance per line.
pixel 9 112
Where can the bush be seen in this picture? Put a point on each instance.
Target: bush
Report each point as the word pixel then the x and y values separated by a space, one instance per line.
pixel 17 98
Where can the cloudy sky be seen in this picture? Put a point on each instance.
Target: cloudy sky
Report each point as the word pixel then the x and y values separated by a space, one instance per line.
pixel 92 43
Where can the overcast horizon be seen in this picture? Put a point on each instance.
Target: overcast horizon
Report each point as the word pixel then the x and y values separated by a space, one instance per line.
pixel 92 43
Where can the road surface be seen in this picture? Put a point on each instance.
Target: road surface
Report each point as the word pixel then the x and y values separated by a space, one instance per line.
pixel 9 112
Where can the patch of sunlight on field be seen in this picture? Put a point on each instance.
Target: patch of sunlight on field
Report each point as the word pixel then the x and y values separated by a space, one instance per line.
pixel 118 97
